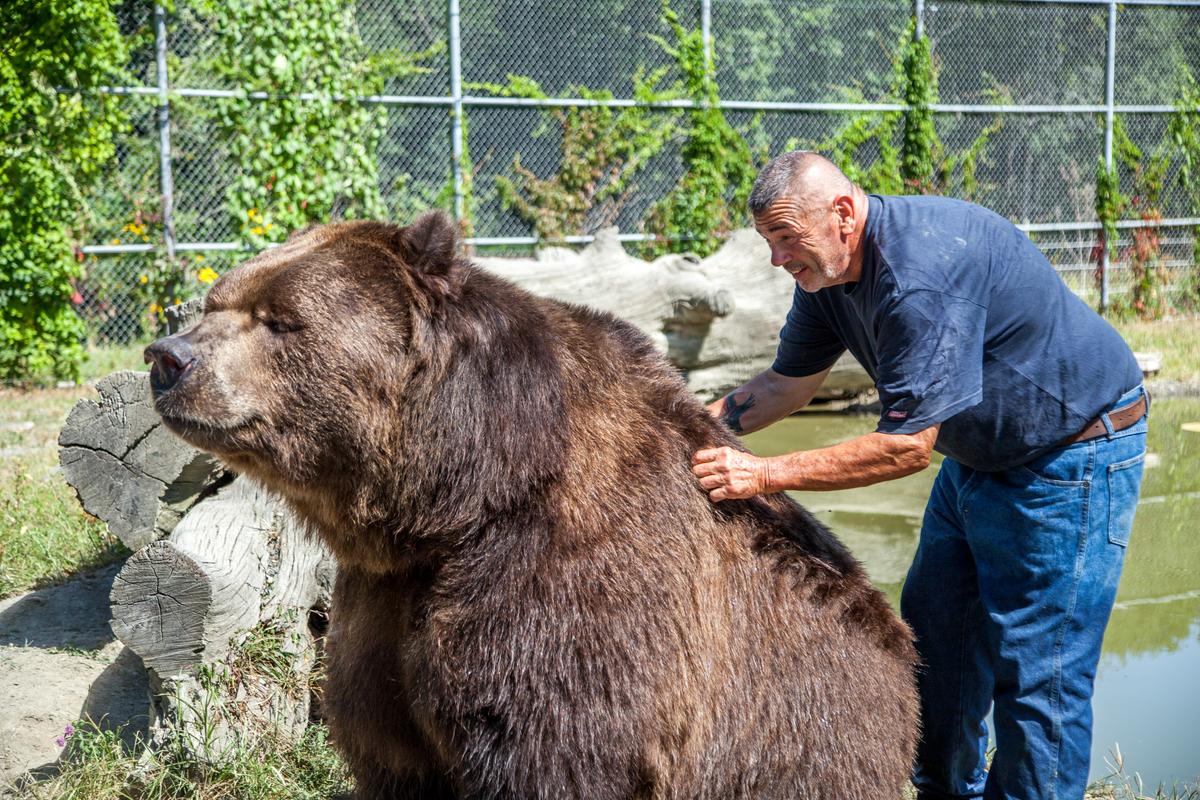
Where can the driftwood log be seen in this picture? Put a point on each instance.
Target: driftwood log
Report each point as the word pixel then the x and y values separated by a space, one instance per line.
pixel 717 319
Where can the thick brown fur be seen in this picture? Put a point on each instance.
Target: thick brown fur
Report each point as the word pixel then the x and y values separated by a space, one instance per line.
pixel 534 597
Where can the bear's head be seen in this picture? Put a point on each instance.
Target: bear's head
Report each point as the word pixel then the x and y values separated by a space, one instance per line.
pixel 300 369
pixel 388 389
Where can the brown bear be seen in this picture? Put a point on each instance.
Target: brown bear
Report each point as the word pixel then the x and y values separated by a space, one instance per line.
pixel 534 599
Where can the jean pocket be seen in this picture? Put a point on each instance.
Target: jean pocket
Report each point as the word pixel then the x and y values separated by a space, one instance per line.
pixel 1124 480
pixel 1064 466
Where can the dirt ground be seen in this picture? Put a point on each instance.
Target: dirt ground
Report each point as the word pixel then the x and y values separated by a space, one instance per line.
pixel 59 663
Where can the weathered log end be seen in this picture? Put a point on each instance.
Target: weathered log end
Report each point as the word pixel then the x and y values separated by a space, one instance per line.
pixel 160 604
pixel 183 315
pixel 126 467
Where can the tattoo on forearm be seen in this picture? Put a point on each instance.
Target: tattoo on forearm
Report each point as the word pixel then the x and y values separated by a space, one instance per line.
pixel 731 414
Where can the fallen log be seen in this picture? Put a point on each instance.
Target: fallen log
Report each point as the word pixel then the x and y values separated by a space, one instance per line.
pixel 218 563
pixel 717 319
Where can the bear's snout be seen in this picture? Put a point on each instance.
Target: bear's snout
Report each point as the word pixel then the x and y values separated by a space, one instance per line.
pixel 172 356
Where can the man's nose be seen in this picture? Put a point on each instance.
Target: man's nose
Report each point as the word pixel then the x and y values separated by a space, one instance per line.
pixel 171 356
pixel 779 257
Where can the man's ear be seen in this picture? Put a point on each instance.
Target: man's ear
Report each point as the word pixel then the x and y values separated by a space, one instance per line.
pixel 847 213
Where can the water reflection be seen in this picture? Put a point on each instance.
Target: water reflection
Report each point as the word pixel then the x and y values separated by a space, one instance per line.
pixel 1148 685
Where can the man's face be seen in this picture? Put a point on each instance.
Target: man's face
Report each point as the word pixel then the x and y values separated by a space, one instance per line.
pixel 806 242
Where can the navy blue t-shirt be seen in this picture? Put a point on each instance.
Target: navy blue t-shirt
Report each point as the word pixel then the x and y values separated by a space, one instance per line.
pixel 959 319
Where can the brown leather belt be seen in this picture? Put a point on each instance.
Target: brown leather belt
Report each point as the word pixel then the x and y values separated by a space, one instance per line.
pixel 1121 419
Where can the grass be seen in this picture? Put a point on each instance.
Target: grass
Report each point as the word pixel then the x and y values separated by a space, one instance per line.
pixel 1176 339
pixel 248 756
pixel 97 767
pixel 44 534
pixel 1120 785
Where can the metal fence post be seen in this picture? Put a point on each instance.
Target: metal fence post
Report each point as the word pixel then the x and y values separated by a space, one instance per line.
pixel 706 29
pixel 919 16
pixel 1109 82
pixel 166 182
pixel 456 108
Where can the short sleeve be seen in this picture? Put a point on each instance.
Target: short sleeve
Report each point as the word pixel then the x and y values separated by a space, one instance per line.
pixel 930 347
pixel 807 343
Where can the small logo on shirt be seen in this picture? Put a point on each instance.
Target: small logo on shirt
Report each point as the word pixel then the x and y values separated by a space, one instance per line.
pixel 896 413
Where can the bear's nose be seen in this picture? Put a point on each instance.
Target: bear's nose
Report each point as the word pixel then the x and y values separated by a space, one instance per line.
pixel 171 357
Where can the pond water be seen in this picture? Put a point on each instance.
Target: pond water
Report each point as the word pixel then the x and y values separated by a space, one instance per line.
pixel 1147 699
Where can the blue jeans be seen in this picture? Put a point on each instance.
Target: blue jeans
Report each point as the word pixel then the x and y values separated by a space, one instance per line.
pixel 1009 594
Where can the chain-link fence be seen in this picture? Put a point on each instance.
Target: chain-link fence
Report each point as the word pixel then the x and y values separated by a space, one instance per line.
pixel 1048 79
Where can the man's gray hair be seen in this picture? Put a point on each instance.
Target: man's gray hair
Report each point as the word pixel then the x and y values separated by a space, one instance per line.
pixel 777 179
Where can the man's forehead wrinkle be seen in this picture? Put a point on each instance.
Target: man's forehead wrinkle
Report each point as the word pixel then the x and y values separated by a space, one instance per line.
pixel 784 214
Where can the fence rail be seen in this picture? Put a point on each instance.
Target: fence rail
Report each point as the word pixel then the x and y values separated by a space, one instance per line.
pixel 1060 72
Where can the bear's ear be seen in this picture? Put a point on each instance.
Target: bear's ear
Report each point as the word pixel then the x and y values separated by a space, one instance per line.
pixel 428 245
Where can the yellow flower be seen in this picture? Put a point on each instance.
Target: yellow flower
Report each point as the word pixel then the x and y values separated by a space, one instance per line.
pixel 155 308
pixel 257 230
pixel 115 241
pixel 206 275
pixel 176 301
pixel 252 213
pixel 269 226
pixel 142 279
pixel 200 256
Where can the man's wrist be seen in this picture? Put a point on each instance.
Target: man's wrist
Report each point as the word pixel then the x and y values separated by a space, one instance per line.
pixel 768 475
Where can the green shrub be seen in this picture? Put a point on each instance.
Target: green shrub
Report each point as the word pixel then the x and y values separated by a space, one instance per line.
pixel 56 135
pixel 911 158
pixel 602 150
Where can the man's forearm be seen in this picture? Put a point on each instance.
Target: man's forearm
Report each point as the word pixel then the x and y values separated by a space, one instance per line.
pixel 861 461
pixel 764 399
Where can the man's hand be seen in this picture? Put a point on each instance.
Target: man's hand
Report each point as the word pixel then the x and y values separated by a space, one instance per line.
pixel 728 474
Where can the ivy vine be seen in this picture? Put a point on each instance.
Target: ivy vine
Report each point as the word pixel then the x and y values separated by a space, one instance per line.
pixel 719 169
pixel 911 158
pixel 602 149
pixel 301 159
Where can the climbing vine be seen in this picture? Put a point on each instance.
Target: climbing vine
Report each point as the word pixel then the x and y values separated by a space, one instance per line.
pixel 602 150
pixel 1147 173
pixel 918 163
pixel 920 148
pixel 719 169
pixel 301 158
pixel 1183 131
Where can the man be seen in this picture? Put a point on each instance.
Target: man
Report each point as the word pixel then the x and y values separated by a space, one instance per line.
pixel 980 352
